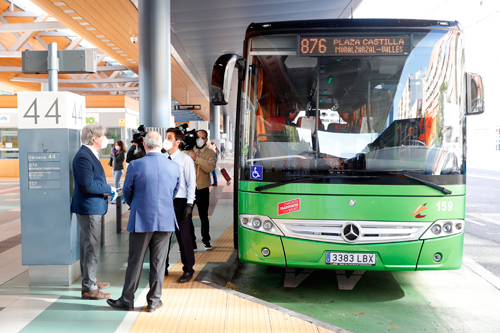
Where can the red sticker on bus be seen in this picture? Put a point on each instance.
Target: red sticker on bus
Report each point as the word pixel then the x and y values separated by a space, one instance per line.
pixel 289 206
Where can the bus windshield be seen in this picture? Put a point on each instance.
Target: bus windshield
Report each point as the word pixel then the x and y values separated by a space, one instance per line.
pixel 354 107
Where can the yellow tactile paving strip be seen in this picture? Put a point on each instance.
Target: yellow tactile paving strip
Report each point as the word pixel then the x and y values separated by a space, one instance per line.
pixel 194 307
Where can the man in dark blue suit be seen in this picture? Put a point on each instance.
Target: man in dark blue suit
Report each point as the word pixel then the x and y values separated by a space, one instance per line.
pixel 150 188
pixel 89 203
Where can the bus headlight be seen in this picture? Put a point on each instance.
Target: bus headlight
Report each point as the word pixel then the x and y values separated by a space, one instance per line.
pixel 442 228
pixel 436 229
pixel 254 222
pixel 267 225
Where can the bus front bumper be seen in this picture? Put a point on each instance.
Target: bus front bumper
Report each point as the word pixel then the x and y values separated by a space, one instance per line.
pixel 299 253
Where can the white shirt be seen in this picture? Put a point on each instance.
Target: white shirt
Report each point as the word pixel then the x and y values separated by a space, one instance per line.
pixel 188 175
pixel 93 150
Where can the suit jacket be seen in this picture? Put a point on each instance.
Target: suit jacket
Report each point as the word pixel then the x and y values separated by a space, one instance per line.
pixel 150 187
pixel 90 184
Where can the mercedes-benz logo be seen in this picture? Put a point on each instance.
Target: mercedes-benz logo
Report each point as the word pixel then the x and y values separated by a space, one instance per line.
pixel 351 232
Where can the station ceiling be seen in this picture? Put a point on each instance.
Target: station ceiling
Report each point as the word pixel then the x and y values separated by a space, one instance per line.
pixel 201 31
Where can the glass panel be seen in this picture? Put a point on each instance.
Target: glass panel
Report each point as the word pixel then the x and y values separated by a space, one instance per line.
pixel 325 114
pixel 9 148
pixel 113 134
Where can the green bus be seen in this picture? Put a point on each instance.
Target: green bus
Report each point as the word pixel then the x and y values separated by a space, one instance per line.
pixel 350 143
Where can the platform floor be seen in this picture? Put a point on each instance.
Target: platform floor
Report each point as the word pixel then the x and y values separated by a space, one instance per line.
pixel 189 307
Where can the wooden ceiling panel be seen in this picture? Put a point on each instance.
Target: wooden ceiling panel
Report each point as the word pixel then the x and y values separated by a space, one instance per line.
pixel 118 21
pixel 103 16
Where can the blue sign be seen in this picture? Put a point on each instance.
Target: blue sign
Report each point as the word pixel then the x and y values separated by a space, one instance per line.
pixel 256 172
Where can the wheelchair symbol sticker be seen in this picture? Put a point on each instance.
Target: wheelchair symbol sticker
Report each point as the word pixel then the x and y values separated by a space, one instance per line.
pixel 256 172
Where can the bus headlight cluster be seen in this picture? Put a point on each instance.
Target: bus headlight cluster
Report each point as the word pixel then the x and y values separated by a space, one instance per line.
pixel 260 223
pixel 442 228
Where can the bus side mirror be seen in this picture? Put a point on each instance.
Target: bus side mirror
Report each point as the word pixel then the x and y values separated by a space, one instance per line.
pixel 222 75
pixel 475 94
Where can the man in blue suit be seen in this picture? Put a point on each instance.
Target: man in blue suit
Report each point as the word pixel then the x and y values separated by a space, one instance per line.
pixel 89 203
pixel 150 188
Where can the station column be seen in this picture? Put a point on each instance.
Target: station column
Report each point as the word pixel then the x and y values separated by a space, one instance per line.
pixel 154 64
pixel 214 123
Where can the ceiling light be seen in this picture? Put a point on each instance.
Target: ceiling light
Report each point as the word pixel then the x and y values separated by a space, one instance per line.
pixel 85 23
pixel 59 4
pixel 69 11
pixel 119 51
pixel 110 44
pixel 133 62
pixel 77 18
pixel 124 55
pixel 130 59
pixel 115 48
pixel 101 36
pixel 90 29
pixel 105 40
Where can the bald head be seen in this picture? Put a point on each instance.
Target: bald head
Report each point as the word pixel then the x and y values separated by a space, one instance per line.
pixel 153 141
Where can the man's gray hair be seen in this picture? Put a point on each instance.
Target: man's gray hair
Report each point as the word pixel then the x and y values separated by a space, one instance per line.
pixel 91 131
pixel 153 140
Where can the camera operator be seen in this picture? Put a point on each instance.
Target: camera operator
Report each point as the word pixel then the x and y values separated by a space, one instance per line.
pixel 137 150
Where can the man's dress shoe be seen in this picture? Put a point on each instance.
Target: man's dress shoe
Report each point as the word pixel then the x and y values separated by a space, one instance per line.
pixel 185 277
pixel 117 304
pixel 154 308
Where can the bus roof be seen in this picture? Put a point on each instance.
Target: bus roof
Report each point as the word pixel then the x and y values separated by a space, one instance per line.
pixel 256 29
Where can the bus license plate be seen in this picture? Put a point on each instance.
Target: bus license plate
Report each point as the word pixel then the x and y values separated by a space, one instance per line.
pixel 351 259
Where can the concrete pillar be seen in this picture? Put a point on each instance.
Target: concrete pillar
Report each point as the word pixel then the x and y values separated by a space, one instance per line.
pixel 154 64
pixel 230 132
pixel 214 122
pixel 226 125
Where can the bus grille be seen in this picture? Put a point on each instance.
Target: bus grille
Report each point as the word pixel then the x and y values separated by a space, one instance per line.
pixel 371 231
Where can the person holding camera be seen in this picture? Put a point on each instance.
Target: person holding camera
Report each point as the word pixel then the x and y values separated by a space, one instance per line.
pixel 183 202
pixel 137 150
pixel 205 162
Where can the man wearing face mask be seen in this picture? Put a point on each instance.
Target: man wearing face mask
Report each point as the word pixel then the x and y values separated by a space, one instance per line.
pixel 90 203
pixel 183 202
pixel 205 162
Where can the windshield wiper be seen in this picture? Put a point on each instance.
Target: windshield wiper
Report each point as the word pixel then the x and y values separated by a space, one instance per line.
pixel 407 175
pixel 269 186
pixel 425 182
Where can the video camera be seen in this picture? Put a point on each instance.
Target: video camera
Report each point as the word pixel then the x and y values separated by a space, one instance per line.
pixel 189 137
pixel 139 134
pixel 138 137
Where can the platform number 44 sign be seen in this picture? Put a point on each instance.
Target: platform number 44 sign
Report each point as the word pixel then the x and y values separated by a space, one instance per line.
pixel 51 110
pixel 33 112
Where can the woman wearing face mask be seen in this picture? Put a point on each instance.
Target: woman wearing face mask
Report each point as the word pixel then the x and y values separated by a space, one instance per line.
pixel 118 160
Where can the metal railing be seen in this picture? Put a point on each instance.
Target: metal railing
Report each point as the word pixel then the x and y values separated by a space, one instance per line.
pixel 118 217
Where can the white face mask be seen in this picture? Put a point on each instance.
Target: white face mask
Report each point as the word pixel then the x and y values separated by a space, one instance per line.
pixel 200 143
pixel 167 144
pixel 104 143
pixel 117 147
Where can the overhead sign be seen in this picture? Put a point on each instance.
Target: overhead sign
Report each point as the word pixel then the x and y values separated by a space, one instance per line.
pixel 339 46
pixel 187 107
pixel 70 61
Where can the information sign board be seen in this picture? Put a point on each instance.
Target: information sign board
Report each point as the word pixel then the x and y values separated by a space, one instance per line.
pixel 38 110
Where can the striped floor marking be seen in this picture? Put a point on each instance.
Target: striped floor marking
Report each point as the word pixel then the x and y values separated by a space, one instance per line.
pixel 194 307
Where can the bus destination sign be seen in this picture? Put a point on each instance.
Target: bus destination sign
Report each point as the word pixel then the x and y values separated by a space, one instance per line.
pixel 350 46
